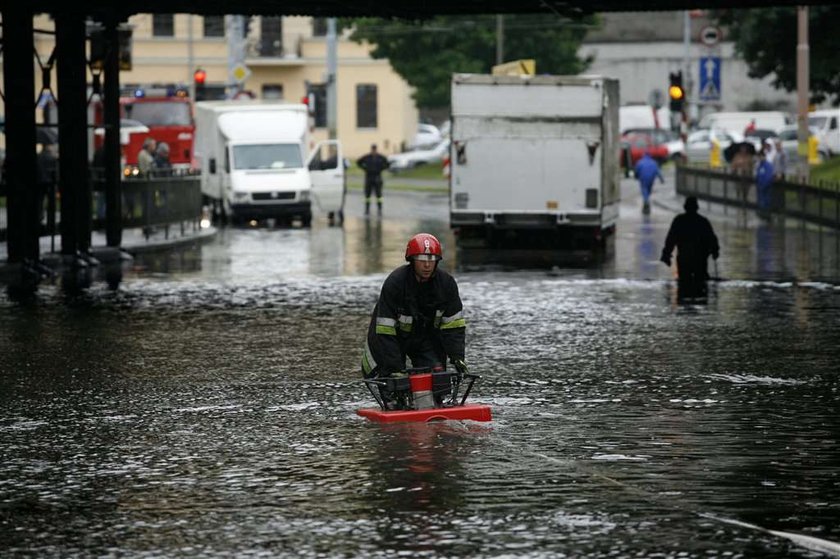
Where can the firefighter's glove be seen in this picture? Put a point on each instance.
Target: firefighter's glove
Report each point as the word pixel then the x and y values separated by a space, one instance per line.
pixel 460 366
pixel 665 259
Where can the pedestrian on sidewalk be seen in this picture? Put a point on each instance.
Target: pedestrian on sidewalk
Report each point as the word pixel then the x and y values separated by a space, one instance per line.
pixel 146 156
pixel 695 240
pixel 764 176
pixel 373 164
pixel 780 160
pixel 646 171
pixel 161 163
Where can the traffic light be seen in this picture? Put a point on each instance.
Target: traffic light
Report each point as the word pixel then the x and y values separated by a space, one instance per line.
pixel 676 92
pixel 309 101
pixel 199 80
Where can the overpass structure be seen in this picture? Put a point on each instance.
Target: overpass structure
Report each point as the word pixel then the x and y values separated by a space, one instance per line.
pixel 71 90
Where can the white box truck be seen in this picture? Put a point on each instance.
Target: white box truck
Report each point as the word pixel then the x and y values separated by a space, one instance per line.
pixel 255 162
pixel 534 161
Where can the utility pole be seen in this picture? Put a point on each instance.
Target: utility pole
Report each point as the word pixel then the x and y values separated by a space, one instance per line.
pixel 688 83
pixel 236 50
pixel 802 87
pixel 500 39
pixel 332 68
pixel 190 57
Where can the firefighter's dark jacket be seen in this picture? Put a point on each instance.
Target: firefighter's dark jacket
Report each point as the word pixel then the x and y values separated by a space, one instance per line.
pixel 695 240
pixel 408 310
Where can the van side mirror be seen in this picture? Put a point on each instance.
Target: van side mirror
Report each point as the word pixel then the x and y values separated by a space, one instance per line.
pixel 212 163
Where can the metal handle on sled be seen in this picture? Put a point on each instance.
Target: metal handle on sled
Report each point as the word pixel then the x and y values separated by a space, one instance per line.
pixel 472 377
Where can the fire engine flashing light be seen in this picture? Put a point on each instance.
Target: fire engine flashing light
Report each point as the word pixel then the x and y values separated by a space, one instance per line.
pixel 139 93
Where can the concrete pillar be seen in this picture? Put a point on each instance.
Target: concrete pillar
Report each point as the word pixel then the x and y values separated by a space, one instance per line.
pixel 21 163
pixel 74 182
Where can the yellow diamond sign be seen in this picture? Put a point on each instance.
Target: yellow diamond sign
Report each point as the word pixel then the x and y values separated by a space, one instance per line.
pixel 241 73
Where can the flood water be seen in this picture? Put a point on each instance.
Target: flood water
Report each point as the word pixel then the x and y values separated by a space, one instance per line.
pixel 206 406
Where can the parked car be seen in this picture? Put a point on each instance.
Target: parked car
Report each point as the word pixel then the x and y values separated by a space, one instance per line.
pixel 663 136
pixel 789 135
pixel 737 122
pixel 761 135
pixel 427 136
pixel 640 144
pixel 410 159
pixel 698 145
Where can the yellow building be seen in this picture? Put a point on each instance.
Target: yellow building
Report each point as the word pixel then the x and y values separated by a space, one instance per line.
pixel 285 58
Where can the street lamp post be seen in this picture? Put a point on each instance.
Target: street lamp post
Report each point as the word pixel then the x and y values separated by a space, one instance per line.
pixel 802 88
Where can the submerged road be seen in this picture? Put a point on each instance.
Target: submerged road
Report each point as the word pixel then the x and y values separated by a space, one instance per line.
pixel 205 407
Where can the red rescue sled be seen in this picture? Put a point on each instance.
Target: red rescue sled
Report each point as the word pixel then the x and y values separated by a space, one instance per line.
pixel 423 395
pixel 475 412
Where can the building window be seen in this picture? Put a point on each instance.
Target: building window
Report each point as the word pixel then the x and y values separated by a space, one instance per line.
pixel 319 98
pixel 163 25
pixel 366 105
pixel 214 26
pixel 319 27
pixel 271 36
pixel 272 91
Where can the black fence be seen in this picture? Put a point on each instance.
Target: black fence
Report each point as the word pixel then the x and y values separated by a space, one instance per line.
pixel 787 197
pixel 161 200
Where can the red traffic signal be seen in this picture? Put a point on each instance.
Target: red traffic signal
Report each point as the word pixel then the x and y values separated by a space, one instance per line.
pixel 199 77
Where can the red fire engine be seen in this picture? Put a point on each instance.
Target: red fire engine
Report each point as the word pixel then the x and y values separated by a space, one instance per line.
pixel 168 112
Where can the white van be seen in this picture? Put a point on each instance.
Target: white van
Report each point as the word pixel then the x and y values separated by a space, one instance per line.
pixel 824 124
pixel 635 117
pixel 255 162
pixel 738 122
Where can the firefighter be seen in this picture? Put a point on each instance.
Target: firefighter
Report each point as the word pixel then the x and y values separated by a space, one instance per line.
pixel 695 240
pixel 418 315
pixel 373 164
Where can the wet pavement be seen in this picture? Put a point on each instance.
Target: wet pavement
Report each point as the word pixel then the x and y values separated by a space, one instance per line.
pixel 202 404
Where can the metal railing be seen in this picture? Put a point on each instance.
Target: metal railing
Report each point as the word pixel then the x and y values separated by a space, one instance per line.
pixel 789 197
pixel 161 199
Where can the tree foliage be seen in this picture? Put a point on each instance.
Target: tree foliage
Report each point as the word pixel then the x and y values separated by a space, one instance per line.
pixel 427 53
pixel 766 39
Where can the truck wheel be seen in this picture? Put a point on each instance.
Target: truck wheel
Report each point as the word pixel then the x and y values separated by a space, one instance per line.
pixel 306 220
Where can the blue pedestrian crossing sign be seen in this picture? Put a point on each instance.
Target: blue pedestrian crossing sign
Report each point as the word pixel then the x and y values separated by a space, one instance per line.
pixel 710 78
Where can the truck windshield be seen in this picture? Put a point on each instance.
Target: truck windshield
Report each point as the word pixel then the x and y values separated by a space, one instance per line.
pixel 159 113
pixel 267 156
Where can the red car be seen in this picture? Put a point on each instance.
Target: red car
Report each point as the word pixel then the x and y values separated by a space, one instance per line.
pixel 640 144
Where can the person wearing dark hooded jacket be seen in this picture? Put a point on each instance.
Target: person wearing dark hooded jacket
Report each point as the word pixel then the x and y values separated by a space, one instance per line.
pixel 419 315
pixel 695 240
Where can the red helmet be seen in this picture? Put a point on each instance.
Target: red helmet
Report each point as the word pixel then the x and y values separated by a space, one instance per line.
pixel 423 244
